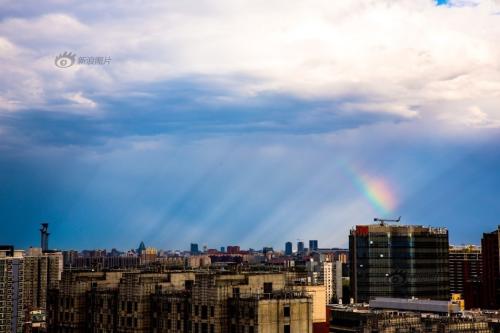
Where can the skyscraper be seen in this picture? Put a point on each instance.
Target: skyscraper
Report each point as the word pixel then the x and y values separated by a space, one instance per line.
pixel 465 273
pixel 44 237
pixel 491 270
pixel 194 248
pixel 300 247
pixel 288 248
pixel 313 245
pixel 398 261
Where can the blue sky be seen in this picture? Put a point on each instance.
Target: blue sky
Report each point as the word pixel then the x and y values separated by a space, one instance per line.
pixel 247 122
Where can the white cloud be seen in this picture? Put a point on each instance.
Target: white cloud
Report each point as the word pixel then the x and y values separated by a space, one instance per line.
pixel 404 55
pixel 81 100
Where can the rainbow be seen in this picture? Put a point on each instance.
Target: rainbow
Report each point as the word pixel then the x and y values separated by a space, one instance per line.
pixel 376 190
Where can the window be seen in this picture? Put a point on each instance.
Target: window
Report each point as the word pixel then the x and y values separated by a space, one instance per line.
pixel 268 287
pixel 286 329
pixel 204 312
pixel 286 311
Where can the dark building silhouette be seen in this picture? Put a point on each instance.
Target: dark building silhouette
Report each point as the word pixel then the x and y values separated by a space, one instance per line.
pixel 288 248
pixel 194 248
pixel 141 248
pixel 44 234
pixel 491 270
pixel 398 261
pixel 300 247
pixel 313 245
pixel 465 264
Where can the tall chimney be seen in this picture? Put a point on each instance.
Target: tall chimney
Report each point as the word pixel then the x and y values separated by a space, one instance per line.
pixel 44 232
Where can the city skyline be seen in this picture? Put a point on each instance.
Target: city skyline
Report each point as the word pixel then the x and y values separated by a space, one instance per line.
pixel 246 123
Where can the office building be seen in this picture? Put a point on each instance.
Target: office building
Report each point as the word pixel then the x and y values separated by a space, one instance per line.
pixel 288 248
pixel 300 247
pixel 194 248
pixel 313 245
pixel 465 266
pixel 490 251
pixel 398 261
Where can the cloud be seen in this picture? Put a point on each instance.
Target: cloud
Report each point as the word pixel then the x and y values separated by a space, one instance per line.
pixel 402 58
pixel 82 101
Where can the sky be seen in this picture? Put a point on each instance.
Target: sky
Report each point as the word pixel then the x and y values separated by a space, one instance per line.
pixel 246 123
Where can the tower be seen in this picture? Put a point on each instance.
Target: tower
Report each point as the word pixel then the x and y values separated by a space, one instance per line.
pixel 288 248
pixel 300 247
pixel 44 235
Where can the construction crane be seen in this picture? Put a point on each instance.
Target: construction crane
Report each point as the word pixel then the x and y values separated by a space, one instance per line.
pixel 383 221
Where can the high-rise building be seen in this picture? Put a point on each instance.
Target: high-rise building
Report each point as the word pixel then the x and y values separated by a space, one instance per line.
pixel 490 248
pixel 300 247
pixel 41 272
pixel 398 261
pixel 141 248
pixel 465 264
pixel 288 248
pixel 194 248
pixel 313 245
pixel 11 290
pixel 44 237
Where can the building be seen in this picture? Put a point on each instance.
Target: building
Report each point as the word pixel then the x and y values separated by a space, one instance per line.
pixel 288 248
pixel 148 255
pixel 11 290
pixel 465 266
pixel 141 248
pixel 300 247
pixel 398 261
pixel 361 318
pixel 194 248
pixel 233 249
pixel 284 312
pixel 178 302
pixel 42 270
pixel 490 249
pixel 313 245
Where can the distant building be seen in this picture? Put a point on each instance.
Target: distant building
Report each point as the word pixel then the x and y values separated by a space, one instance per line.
pixel 141 248
pixel 300 247
pixel 398 261
pixel 491 270
pixel 233 249
pixel 288 248
pixel 149 254
pixel 313 245
pixel 466 264
pixel 267 249
pixel 194 248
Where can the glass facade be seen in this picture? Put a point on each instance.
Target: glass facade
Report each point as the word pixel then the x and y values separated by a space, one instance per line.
pixel 399 261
